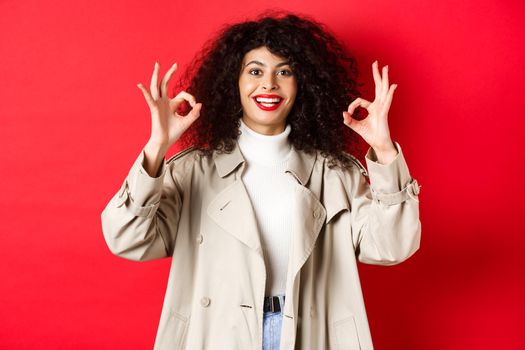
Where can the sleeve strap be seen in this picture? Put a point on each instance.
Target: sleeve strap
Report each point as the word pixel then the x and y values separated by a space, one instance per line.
pixel 147 211
pixel 411 190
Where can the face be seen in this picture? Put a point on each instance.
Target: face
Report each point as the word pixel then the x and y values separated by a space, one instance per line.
pixel 267 88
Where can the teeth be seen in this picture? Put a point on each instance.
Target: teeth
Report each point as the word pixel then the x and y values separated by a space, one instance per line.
pixel 267 100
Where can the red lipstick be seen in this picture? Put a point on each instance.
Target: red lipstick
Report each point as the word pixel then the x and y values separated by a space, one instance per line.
pixel 271 101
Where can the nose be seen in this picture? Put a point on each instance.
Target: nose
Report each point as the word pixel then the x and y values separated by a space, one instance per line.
pixel 269 83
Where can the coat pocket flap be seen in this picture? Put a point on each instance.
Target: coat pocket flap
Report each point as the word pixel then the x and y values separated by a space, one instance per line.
pixel 346 334
pixel 172 331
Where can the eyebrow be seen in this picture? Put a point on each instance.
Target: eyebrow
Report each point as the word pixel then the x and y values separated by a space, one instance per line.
pixel 262 64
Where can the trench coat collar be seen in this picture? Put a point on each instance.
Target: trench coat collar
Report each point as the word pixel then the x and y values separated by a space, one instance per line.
pixel 300 164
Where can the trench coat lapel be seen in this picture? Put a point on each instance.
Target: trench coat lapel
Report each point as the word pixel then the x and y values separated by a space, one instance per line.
pixel 307 224
pixel 309 212
pixel 231 208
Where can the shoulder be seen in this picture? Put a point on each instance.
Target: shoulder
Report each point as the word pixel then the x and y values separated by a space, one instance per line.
pixel 183 156
pixel 356 163
pixel 353 164
pixel 182 163
pixel 191 158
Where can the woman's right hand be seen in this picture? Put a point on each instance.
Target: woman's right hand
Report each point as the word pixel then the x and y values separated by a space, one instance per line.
pixel 167 125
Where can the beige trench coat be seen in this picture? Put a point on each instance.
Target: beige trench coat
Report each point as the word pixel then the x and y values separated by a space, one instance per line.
pixel 198 212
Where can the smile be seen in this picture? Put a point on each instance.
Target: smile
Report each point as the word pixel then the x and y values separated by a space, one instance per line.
pixel 268 102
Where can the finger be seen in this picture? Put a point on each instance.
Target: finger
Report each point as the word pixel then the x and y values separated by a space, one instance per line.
pixel 147 96
pixel 352 123
pixel 377 78
pixel 154 86
pixel 191 116
pixel 194 113
pixel 389 97
pixel 166 79
pixel 358 102
pixel 181 96
pixel 384 85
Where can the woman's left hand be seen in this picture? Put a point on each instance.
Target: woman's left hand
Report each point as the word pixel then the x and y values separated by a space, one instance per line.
pixel 374 128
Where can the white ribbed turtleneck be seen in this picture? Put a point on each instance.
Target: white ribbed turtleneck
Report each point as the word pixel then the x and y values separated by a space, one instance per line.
pixel 264 149
pixel 270 191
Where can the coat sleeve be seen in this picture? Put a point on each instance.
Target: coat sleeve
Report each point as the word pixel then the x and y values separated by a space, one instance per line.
pixel 385 224
pixel 140 221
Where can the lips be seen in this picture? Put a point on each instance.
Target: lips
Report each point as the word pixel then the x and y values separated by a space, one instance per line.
pixel 268 102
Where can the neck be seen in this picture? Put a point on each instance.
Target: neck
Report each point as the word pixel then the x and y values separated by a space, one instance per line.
pixel 264 129
pixel 266 149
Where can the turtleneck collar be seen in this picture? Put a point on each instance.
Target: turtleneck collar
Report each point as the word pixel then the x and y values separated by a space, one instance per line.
pixel 265 149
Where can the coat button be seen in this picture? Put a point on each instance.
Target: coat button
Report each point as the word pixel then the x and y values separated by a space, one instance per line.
pixel 415 187
pixel 199 239
pixel 316 214
pixel 205 301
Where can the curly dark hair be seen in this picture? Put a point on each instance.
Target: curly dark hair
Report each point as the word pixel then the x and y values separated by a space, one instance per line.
pixel 326 83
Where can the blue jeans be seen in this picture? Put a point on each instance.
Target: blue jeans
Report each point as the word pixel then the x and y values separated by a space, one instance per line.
pixel 272 324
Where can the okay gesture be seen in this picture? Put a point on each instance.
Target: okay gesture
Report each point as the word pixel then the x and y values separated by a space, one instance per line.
pixel 374 128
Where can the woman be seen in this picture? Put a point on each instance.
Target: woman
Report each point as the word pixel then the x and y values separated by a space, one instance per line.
pixel 266 215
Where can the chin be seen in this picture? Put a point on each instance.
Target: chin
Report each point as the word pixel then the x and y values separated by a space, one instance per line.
pixel 268 121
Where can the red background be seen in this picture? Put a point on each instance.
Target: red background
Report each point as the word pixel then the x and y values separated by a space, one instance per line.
pixel 73 121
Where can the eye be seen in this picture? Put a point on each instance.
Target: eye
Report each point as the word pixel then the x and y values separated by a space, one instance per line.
pixel 251 71
pixel 285 72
